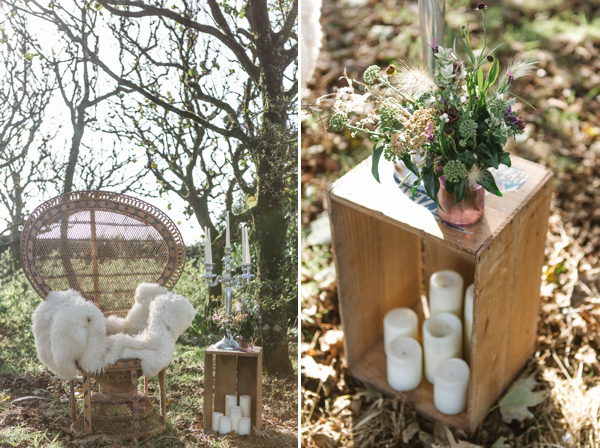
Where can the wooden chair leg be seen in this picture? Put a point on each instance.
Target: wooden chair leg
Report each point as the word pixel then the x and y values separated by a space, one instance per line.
pixel 87 404
pixel 136 403
pixel 162 384
pixel 72 399
pixel 146 385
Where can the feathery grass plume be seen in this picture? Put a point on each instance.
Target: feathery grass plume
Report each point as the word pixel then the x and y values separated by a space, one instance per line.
pixel 516 69
pixel 414 79
pixel 475 174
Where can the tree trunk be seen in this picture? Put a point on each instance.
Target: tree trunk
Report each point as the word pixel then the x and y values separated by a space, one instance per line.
pixel 270 238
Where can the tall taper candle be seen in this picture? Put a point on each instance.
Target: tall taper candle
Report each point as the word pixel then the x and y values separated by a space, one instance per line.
pixel 227 243
pixel 468 321
pixel 207 248
pixel 244 242
pixel 247 245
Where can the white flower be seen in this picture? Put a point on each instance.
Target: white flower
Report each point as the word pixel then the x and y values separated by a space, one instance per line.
pixel 444 118
pixel 463 99
pixel 451 97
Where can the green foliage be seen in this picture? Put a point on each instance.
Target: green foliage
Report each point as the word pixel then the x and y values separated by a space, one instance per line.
pixel 18 300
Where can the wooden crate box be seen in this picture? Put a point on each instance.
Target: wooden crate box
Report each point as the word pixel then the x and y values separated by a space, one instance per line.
pixel 387 246
pixel 235 372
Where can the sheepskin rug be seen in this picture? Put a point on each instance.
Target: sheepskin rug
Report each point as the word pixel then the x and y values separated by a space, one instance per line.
pixel 70 330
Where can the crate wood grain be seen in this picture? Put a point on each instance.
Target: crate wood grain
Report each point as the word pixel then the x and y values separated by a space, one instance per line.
pixel 386 247
pixel 237 373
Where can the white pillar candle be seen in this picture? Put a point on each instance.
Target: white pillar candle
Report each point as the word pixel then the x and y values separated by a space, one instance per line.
pixel 215 420
pixel 244 245
pixel 207 248
pixel 245 401
pixel 245 426
pixel 227 231
pixel 230 400
pixel 247 245
pixel 399 322
pixel 404 363
pixel 446 293
pixel 442 340
pixel 450 386
pixel 235 412
pixel 468 321
pixel 224 425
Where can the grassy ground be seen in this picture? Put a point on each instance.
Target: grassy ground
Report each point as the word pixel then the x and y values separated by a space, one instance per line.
pixel 562 133
pixel 34 405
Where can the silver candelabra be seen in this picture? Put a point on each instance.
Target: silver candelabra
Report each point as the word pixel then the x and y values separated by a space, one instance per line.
pixel 229 281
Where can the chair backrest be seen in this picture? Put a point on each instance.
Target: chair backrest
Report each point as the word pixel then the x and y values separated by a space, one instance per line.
pixel 101 244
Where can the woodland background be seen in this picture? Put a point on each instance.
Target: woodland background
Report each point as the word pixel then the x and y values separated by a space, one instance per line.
pixel 191 104
pixel 562 133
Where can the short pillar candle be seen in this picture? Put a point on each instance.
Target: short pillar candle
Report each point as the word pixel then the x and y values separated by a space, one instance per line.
pixel 215 420
pixel 245 401
pixel 468 321
pixel 450 386
pixel 235 412
pixel 245 426
pixel 404 363
pixel 230 400
pixel 399 322
pixel 224 425
pixel 446 293
pixel 442 340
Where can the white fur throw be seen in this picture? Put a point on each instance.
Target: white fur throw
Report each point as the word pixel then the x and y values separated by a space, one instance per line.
pixel 69 329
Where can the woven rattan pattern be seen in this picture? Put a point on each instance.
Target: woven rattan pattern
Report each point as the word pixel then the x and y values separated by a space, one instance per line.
pixel 101 244
pixel 114 417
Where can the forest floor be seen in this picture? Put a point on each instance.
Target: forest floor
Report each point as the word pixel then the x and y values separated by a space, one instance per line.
pixel 34 403
pixel 562 133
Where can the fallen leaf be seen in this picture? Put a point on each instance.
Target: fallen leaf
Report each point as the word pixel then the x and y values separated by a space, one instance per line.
pixel 513 405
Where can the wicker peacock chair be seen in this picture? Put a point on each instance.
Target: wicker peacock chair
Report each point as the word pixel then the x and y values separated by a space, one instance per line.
pixel 103 245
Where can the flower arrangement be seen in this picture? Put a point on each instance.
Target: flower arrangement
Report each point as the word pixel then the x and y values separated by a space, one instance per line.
pixel 245 322
pixel 452 124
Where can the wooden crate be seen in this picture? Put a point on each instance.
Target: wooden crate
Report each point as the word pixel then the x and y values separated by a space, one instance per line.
pixel 237 373
pixel 387 246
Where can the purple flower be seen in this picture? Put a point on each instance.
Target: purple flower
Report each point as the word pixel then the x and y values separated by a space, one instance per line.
pixel 511 119
pixel 511 78
pixel 433 45
pixel 429 134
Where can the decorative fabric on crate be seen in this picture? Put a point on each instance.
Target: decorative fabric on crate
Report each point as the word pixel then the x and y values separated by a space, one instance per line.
pixel 71 331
